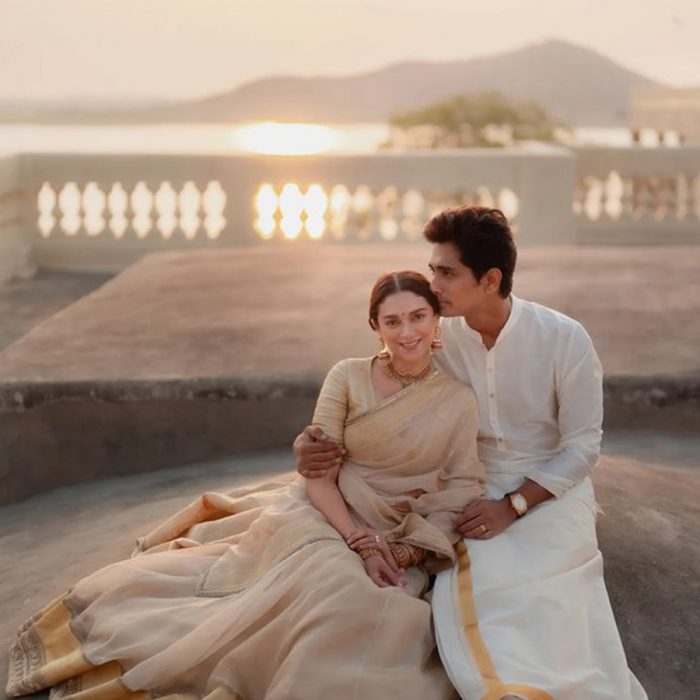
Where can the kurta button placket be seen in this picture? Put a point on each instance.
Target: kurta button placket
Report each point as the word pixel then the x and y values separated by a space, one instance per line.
pixel 491 387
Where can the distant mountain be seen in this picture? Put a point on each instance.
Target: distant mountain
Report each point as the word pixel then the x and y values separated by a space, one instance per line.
pixel 76 111
pixel 575 84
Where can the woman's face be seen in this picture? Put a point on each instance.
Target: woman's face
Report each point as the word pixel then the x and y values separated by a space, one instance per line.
pixel 407 323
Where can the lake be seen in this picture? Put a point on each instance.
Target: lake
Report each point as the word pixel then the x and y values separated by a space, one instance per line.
pixel 227 138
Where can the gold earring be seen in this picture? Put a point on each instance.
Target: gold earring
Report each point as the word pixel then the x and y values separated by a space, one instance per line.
pixel 383 353
pixel 437 340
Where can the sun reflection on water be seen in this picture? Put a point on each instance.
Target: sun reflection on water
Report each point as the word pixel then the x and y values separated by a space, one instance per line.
pixel 284 139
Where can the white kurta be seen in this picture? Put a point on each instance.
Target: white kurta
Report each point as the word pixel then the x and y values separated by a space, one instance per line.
pixel 527 612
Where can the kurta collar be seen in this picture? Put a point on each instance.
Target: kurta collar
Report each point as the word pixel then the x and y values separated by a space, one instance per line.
pixel 515 310
pixel 516 306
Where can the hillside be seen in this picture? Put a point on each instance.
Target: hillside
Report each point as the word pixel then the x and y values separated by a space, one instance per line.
pixel 576 85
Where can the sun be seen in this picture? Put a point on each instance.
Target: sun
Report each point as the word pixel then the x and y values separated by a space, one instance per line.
pixel 284 139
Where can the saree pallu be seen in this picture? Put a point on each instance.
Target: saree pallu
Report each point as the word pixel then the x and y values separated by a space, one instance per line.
pixel 252 594
pixel 526 613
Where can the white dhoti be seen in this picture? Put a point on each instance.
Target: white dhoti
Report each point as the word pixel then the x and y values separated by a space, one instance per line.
pixel 527 613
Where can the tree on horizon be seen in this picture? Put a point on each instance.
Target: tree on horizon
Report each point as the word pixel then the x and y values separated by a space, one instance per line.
pixel 467 121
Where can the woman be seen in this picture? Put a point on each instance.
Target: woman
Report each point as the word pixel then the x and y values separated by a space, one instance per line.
pixel 254 593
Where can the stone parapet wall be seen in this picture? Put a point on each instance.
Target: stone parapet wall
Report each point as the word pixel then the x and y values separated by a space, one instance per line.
pixel 61 434
pixel 15 234
pixel 668 403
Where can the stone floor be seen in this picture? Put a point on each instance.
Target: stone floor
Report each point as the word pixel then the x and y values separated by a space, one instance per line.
pixel 26 303
pixel 253 312
pixel 647 486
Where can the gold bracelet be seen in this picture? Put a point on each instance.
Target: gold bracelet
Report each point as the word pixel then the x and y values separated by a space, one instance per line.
pixel 406 554
pixel 417 554
pixel 368 553
pixel 401 554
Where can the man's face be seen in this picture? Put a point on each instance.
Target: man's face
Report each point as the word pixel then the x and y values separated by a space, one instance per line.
pixel 453 282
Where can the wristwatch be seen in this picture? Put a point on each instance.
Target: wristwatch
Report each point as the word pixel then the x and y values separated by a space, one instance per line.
pixel 518 503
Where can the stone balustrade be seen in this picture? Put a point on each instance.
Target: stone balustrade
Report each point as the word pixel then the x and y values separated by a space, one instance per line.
pixel 102 212
pixel 637 196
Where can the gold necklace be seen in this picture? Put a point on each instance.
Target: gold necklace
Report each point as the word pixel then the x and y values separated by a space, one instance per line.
pixel 406 378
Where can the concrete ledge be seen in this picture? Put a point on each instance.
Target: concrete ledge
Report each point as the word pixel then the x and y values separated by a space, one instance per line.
pixel 661 403
pixel 66 433
pixel 71 440
pixel 27 396
pixel 642 393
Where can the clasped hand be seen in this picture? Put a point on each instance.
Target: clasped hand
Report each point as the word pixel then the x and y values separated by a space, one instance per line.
pixel 383 570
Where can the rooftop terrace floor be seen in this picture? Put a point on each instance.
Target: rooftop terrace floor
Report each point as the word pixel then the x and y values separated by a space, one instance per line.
pixel 296 310
pixel 646 484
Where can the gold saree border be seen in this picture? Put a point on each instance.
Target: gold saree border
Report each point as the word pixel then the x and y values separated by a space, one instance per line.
pixel 49 646
pixel 389 401
pixel 495 688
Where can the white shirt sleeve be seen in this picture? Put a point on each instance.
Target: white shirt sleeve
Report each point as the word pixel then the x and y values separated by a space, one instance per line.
pixel 579 390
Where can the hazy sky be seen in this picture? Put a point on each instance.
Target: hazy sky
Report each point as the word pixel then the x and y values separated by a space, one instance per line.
pixel 183 48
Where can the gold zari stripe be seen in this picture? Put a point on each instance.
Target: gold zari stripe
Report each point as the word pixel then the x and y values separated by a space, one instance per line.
pixel 495 688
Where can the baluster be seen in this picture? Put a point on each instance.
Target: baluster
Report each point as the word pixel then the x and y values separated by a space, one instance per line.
pixel 94 201
pixel 387 206
pixel 214 202
pixel 118 205
pixel 142 206
pixel 189 206
pixel 266 209
pixel 413 208
pixel 69 203
pixel 46 203
pixel 315 207
pixel 627 198
pixel 166 209
pixel 339 211
pixel 291 206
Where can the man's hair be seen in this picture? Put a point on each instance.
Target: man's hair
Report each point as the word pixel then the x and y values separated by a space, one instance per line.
pixel 483 238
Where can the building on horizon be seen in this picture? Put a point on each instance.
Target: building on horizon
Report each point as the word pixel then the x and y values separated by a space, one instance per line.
pixel 666 110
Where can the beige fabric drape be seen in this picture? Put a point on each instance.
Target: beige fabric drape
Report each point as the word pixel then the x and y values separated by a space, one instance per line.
pixel 252 594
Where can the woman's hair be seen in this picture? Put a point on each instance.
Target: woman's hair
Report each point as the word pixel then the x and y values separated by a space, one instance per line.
pixel 401 281
pixel 482 236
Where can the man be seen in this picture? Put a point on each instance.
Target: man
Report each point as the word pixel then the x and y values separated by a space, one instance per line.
pixel 524 613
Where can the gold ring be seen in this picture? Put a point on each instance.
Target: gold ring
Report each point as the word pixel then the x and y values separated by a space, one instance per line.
pixel 482 529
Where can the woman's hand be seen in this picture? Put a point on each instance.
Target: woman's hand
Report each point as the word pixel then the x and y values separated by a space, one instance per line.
pixel 381 568
pixel 484 519
pixel 381 573
pixel 367 538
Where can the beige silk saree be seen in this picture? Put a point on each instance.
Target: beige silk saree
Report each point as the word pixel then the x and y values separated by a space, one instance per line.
pixel 252 594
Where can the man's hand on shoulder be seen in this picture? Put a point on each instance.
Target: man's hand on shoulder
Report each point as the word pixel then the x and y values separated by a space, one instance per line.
pixel 316 453
pixel 484 519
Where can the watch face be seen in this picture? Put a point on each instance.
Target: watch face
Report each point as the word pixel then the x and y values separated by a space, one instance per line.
pixel 519 503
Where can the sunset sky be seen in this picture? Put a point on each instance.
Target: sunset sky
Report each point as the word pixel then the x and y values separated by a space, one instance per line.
pixel 153 49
